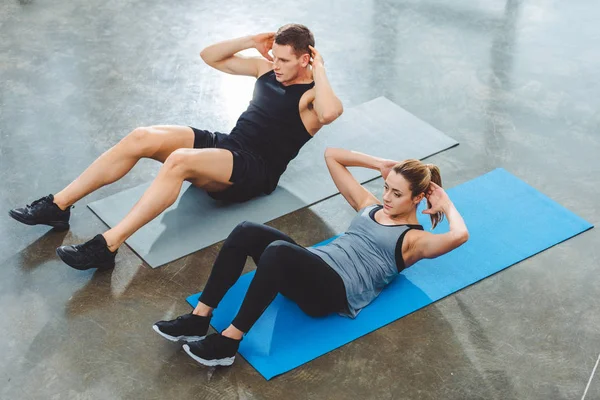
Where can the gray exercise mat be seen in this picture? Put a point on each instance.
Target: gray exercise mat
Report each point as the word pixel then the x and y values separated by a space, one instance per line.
pixel 378 127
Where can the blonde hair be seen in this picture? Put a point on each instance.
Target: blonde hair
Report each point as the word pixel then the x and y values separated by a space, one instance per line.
pixel 419 175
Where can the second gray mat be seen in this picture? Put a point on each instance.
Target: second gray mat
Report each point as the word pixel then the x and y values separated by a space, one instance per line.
pixel 195 221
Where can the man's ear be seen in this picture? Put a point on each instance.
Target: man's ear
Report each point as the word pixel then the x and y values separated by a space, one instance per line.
pixel 304 60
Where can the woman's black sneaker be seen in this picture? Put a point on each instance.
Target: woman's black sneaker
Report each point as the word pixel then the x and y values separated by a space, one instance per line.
pixel 91 254
pixel 43 212
pixel 215 350
pixel 188 327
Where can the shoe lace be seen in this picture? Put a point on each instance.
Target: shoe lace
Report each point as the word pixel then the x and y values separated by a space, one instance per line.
pixel 45 199
pixel 185 316
pixel 92 246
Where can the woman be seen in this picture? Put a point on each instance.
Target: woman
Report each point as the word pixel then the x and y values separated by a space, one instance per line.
pixel 342 276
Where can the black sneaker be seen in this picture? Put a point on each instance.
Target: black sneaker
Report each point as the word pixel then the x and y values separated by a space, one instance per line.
pixel 188 327
pixel 215 350
pixel 91 254
pixel 43 212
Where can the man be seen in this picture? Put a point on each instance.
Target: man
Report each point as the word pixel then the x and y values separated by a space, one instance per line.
pixel 292 100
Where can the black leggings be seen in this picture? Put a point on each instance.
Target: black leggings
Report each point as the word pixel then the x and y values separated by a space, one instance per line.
pixel 282 267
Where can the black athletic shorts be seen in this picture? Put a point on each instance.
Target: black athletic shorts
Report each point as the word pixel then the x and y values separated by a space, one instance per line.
pixel 250 175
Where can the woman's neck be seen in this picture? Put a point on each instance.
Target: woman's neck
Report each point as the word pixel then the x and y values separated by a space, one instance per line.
pixel 400 219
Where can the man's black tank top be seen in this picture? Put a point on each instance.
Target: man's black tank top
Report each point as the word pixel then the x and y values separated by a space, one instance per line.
pixel 271 126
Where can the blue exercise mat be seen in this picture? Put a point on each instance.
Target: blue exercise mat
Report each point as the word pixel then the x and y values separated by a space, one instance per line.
pixel 508 222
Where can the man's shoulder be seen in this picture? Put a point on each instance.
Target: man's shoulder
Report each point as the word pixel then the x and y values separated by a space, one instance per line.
pixel 264 67
pixel 307 98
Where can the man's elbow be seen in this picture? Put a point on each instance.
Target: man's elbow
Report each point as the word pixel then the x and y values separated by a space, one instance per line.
pixel 205 56
pixel 330 152
pixel 330 115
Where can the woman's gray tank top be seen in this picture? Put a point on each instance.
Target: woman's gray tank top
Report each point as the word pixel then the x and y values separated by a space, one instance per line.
pixel 367 257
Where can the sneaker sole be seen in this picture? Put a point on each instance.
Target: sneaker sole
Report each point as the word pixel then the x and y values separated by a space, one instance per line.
pixel 177 338
pixel 57 225
pixel 61 255
pixel 222 362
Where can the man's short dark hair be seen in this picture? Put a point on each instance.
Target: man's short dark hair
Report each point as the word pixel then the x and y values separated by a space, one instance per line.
pixel 296 35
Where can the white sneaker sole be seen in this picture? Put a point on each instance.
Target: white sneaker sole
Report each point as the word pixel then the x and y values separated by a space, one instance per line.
pixel 177 338
pixel 227 361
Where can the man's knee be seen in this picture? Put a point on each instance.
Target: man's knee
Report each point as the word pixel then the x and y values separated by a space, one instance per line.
pixel 141 141
pixel 179 161
pixel 137 136
pixel 140 133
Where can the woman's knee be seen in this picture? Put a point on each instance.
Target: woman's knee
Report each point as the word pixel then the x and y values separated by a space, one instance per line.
pixel 279 246
pixel 246 229
pixel 244 226
pixel 278 253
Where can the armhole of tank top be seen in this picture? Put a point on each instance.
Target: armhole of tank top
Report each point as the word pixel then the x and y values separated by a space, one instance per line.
pixel 265 74
pixel 398 251
pixel 376 207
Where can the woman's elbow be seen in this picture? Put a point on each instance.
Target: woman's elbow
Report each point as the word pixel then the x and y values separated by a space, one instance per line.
pixel 462 238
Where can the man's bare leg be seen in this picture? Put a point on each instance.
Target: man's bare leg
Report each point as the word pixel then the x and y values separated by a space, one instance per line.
pixel 156 142
pixel 200 166
pixel 205 168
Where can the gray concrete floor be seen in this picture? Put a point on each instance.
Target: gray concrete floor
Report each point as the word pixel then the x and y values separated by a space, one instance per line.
pixel 514 81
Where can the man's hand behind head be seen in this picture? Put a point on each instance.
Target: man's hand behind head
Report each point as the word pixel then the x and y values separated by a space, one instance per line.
pixel 263 42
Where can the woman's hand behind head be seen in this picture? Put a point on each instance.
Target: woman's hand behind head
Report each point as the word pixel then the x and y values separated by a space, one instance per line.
pixel 438 198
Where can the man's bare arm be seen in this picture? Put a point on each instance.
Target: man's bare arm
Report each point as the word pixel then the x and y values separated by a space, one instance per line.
pixel 327 105
pixel 223 55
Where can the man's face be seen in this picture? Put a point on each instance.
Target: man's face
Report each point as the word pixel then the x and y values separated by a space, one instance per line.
pixel 286 64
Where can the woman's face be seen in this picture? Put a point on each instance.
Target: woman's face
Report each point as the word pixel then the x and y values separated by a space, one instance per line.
pixel 397 196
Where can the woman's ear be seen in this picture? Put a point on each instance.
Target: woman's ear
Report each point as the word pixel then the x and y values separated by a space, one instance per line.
pixel 418 198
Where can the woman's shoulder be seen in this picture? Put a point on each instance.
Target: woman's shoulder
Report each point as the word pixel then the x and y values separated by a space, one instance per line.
pixel 410 248
pixel 369 208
